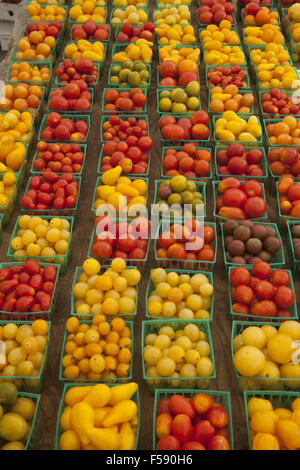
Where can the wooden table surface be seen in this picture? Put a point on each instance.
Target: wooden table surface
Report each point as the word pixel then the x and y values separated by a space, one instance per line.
pixel 221 323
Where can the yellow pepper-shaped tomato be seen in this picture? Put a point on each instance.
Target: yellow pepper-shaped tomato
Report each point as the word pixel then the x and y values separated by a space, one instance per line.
pixel 82 418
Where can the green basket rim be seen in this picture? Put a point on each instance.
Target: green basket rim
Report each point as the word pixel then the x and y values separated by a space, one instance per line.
pixel 125 316
pixel 31 130
pixel 255 219
pixel 285 217
pixel 203 25
pixel 39 63
pixel 36 397
pixel 83 149
pixel 218 395
pixel 206 179
pixel 57 83
pixel 289 223
pixel 177 323
pixel 106 117
pixel 269 395
pixel 292 309
pixel 197 142
pixel 138 175
pixel 132 262
pixel 40 212
pixel 165 88
pixel 233 29
pixel 268 142
pixel 39 377
pixel 117 111
pixel 179 46
pixel 162 87
pixel 244 64
pixel 79 117
pixel 257 143
pixel 71 112
pixel 73 23
pixel 6 264
pixel 212 67
pixel 238 326
pixel 67 386
pixel 271 8
pixel 242 91
pixel 117 47
pixel 263 165
pixel 201 186
pixel 138 7
pixel 117 381
pixel 126 85
pixel 65 257
pixel 100 62
pixel 276 264
pixel 150 285
pixel 34 111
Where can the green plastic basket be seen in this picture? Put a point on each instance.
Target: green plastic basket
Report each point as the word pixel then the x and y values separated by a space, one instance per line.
pixel 37 112
pixel 40 64
pixel 120 47
pixel 261 47
pixel 202 25
pixel 114 25
pixel 266 122
pixel 221 397
pixel 248 318
pixel 138 175
pixel 78 271
pixel 283 217
pixel 213 67
pixel 52 212
pixel 205 179
pixel 242 91
pixel 29 445
pixel 43 5
pixel 265 115
pixel 153 383
pixel 117 381
pixel 117 111
pixel 29 384
pixel 240 8
pixel 71 112
pixel 202 44
pixel 100 62
pixel 58 259
pixel 201 187
pixel 169 263
pixel 125 84
pixel 62 406
pixel 151 287
pixel 244 25
pixel 294 47
pixel 73 23
pixel 133 263
pixel 244 64
pixel 77 117
pixel 218 218
pixel 118 215
pixel 31 316
pixel 83 149
pixel 105 118
pixel 59 83
pixel 278 260
pixel 278 399
pixel 8 210
pixel 179 46
pixel 295 263
pixel 186 113
pixel 263 166
pixel 163 87
pixel 226 143
pixel 258 83
pixel 260 383
pixel 181 142
pixel 31 130
pixel 116 5
pixel 52 56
